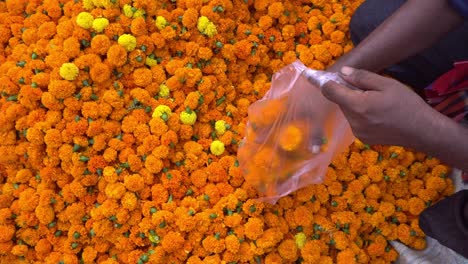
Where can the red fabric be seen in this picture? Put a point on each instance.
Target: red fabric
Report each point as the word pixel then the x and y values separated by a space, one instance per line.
pixel 452 81
pixel 449 95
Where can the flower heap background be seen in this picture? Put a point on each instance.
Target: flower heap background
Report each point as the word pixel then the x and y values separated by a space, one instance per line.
pixel 120 121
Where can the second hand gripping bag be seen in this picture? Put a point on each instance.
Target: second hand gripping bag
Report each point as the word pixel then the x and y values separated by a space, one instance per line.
pixel 292 133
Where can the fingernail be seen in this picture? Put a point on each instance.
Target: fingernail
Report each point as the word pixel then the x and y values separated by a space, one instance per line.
pixel 315 149
pixel 347 70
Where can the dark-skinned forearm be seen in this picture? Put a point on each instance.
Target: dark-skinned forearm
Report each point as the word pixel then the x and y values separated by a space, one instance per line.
pixel 415 26
pixel 443 138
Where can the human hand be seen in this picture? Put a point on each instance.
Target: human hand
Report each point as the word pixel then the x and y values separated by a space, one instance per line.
pixel 383 112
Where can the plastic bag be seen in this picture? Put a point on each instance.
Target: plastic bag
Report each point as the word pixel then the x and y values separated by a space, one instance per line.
pixel 279 154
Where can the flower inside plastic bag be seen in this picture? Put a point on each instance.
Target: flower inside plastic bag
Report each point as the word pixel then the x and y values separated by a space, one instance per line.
pixel 292 133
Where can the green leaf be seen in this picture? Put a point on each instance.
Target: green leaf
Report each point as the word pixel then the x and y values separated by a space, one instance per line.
pixel 21 63
pixel 220 100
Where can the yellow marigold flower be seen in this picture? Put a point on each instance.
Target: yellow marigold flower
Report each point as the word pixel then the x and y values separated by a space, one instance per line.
pixel 217 147
pixel 139 13
pixel 220 127
pixel 206 27
pixel 69 71
pixel 161 22
pixel 88 4
pixel 203 22
pixel 151 62
pixel 127 41
pixel 85 20
pixel 108 3
pixel 300 239
pixel 188 117
pixel 164 90
pixel 291 138
pixel 162 111
pixel 127 10
pixel 99 24
pixel 210 30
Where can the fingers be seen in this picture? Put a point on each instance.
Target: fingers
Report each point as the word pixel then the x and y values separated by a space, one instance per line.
pixel 363 79
pixel 340 94
pixel 316 141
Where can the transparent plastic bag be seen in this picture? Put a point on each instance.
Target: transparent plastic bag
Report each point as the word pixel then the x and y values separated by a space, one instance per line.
pixel 279 153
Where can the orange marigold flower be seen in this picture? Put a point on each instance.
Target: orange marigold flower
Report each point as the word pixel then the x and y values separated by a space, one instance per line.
pixel 416 205
pixel 376 219
pixel 19 250
pixel 61 89
pixel 159 194
pixel 310 252
pixel 205 53
pixel 89 254
pixel 440 171
pixel 419 243
pixel 288 32
pixel 387 209
pixel 288 250
pixel 7 233
pixel 346 256
pixel 115 190
pixel 337 37
pixel 71 47
pixel 243 49
pixel 373 192
pixel 404 234
pixel 153 164
pixel 45 214
pixel 142 77
pixel 427 195
pixel 232 243
pixel 129 201
pixel 23 175
pixel 233 220
pixel 190 18
pixel 138 27
pixel 436 183
pixel 100 44
pixel 172 241
pixel 134 182
pixel 254 228
pixel 100 73
pixel 270 238
pixel 276 9
pixel 117 55
pixel 214 244
pixel 265 22
pixel 53 138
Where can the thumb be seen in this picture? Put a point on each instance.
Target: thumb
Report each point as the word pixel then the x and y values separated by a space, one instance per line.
pixel 340 94
pixel 363 79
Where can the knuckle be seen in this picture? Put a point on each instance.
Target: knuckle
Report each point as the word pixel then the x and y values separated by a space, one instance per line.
pixel 362 109
pixel 358 75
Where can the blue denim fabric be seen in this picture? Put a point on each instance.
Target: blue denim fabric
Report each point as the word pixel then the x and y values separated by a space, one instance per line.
pixel 422 69
pixel 461 6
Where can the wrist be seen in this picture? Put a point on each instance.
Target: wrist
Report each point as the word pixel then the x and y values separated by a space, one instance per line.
pixel 445 139
pixel 351 59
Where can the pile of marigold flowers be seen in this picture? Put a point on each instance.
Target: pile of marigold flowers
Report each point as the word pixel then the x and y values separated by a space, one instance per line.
pixel 120 121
